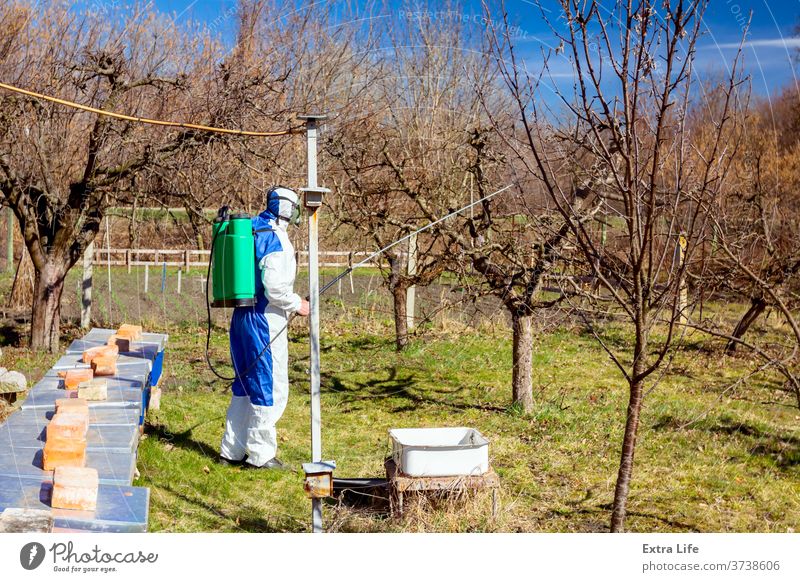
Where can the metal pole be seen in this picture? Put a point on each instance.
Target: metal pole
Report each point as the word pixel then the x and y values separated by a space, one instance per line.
pixel 86 290
pixel 411 292
pixel 313 201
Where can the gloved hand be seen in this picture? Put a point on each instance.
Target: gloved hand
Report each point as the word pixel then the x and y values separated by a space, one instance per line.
pixel 304 308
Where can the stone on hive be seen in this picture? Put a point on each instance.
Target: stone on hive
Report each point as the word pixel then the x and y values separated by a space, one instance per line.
pixel 104 366
pixel 132 332
pixel 69 424
pixel 68 405
pixel 95 389
pixel 74 377
pixel 99 351
pixel 123 343
pixel 75 488
pixel 61 452
pixel 22 520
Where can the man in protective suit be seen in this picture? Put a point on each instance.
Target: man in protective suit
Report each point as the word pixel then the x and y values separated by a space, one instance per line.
pixel 259 341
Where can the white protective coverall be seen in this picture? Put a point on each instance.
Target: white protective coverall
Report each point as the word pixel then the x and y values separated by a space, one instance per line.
pixel 261 389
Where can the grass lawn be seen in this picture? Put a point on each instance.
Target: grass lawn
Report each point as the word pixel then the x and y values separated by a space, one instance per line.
pixel 712 456
pixel 736 468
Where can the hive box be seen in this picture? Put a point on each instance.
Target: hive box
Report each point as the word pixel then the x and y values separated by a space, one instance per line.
pixel 75 405
pixel 122 343
pixel 75 488
pixel 94 390
pixel 69 424
pixel 61 452
pixel 111 351
pixel 132 332
pixel 104 365
pixel 74 377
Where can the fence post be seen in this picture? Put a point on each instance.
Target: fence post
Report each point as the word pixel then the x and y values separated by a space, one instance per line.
pixel 128 260
pixel 680 252
pixel 412 272
pixel 146 277
pixel 163 276
pixel 350 275
pixel 186 261
pixel 179 280
pixel 86 287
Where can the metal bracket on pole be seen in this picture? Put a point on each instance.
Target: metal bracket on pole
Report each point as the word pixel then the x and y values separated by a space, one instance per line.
pixel 318 477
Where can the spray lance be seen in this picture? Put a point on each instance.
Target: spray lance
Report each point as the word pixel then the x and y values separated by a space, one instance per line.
pixel 235 287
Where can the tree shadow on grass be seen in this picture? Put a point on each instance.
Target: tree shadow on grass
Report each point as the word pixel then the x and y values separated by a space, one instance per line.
pixel 182 439
pixel 600 513
pixel 783 449
pixel 400 387
pixel 245 519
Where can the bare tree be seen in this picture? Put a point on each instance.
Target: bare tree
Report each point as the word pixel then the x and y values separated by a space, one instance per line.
pixel 400 159
pixel 620 138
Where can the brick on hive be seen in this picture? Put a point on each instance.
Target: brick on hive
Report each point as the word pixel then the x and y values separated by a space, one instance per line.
pixel 63 452
pixel 123 343
pixel 100 351
pixel 75 488
pixel 95 389
pixel 67 405
pixel 69 424
pixel 74 377
pixel 104 366
pixel 132 332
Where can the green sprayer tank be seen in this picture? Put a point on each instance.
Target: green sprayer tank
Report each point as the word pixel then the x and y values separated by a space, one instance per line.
pixel 233 260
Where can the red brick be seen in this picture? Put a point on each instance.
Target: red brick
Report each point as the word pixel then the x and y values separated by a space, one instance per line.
pixel 132 332
pixel 75 488
pixel 63 452
pixel 74 377
pixel 104 366
pixel 92 353
pixel 71 404
pixel 69 424
pixel 123 343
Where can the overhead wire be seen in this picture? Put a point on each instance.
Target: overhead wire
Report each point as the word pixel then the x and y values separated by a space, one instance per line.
pixel 146 120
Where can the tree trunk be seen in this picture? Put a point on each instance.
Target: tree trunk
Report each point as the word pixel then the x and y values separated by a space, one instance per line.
pixel 757 307
pixel 522 325
pixel 399 295
pixel 626 461
pixel 46 310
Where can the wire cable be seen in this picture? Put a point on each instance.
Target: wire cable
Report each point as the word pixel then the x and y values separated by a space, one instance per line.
pixel 198 127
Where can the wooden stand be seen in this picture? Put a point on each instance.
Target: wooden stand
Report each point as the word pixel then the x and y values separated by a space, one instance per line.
pixel 400 483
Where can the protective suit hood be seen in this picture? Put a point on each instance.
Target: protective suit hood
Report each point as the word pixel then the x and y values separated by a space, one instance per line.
pixel 281 205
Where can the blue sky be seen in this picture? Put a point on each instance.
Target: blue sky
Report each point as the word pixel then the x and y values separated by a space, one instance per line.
pixel 771 48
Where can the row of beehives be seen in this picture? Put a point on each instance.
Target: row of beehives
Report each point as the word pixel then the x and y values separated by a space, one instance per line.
pixel 71 450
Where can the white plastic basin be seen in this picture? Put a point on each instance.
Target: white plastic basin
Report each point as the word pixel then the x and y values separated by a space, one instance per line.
pixel 439 452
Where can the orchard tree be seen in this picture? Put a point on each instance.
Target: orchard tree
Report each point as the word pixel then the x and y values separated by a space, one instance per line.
pixel 618 133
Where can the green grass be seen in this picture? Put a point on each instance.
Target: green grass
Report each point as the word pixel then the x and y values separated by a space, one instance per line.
pixel 711 456
pixel 737 468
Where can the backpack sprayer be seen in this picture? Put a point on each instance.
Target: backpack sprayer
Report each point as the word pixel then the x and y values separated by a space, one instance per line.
pixel 232 260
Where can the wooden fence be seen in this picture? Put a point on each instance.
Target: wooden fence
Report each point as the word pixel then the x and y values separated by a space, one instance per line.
pixel 195 258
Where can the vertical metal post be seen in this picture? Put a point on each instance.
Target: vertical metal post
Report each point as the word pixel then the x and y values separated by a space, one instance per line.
pixel 412 291
pixel 86 287
pixel 313 200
